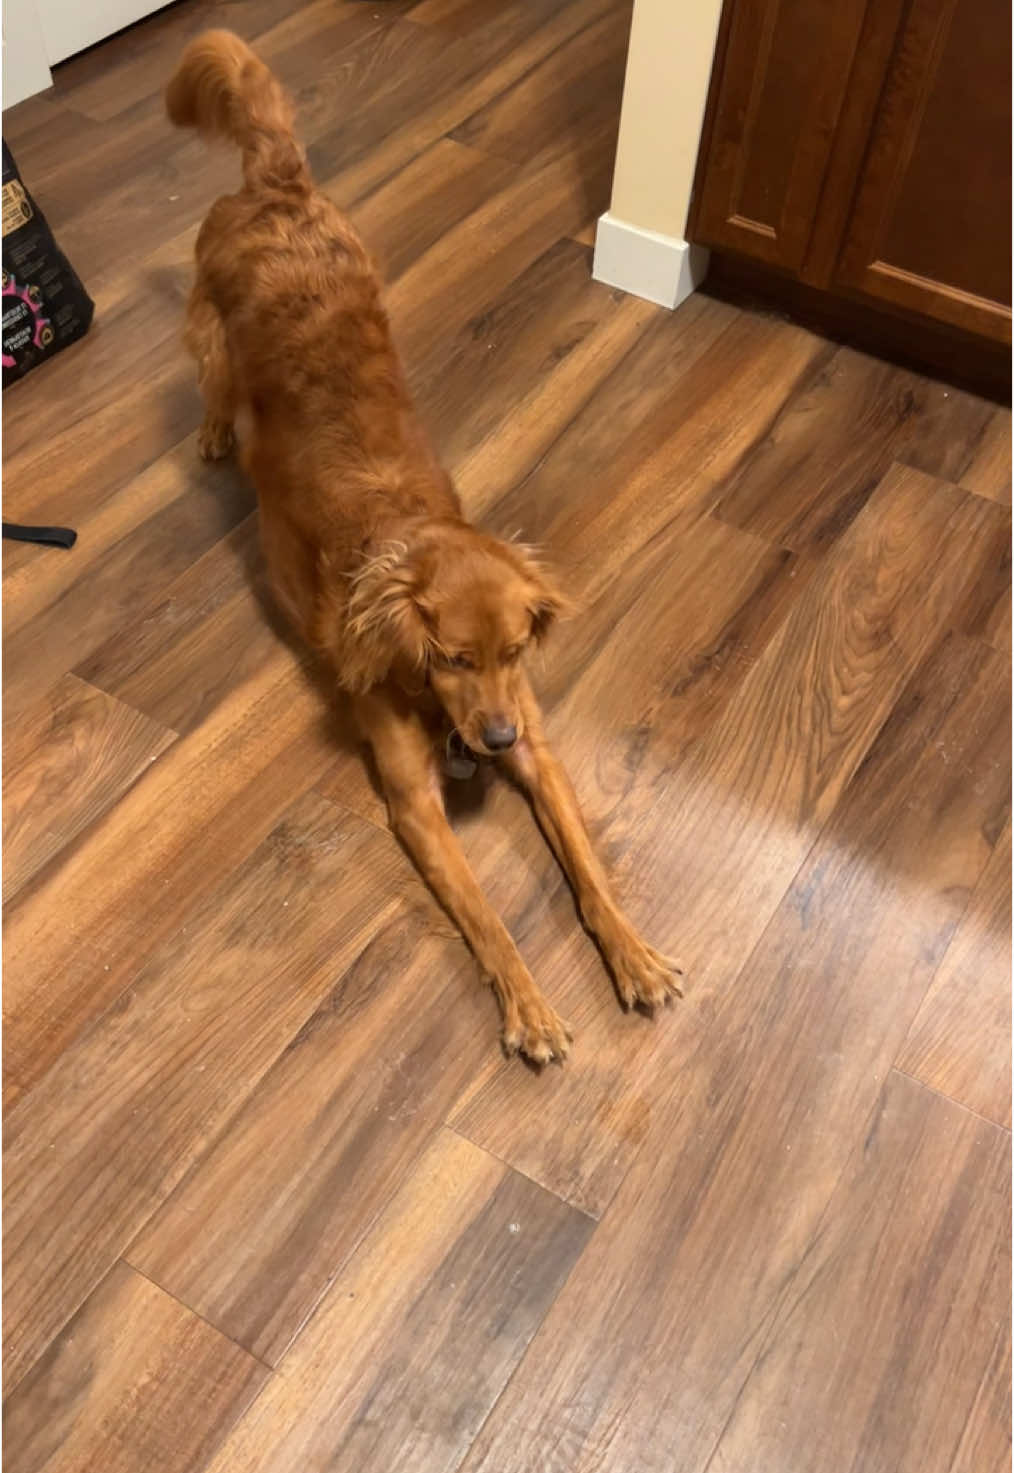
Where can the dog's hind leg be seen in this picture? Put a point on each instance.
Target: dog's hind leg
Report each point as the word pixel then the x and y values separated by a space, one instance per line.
pixel 205 340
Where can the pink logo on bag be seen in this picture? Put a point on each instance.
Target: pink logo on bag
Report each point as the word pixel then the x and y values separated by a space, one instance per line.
pixel 23 320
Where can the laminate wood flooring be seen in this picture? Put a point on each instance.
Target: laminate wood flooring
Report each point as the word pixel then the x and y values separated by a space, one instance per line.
pixel 273 1198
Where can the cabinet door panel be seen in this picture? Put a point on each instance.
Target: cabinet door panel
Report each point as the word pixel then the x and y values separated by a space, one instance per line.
pixel 783 68
pixel 930 225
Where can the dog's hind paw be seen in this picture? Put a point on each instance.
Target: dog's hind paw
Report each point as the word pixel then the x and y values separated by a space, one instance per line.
pixel 215 439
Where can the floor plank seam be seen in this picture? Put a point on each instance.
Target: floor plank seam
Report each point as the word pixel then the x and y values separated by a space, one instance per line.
pixel 272 1370
pixel 127 706
pixel 56 860
pixel 357 1242
pixel 792 759
pixel 240 1102
pixel 523 1358
pixel 949 1099
pixel 517 1171
pixel 380 825
pixel 203 899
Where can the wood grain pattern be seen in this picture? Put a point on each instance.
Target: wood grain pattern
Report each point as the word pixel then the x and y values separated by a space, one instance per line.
pixel 484 1251
pixel 129 553
pixel 953 423
pixel 65 763
pixel 644 434
pixel 988 470
pixel 507 234
pixel 986 611
pixel 178 1382
pixel 837 437
pixel 251 1068
pixel 197 644
pixel 32 584
pixel 563 103
pixel 759 1122
pixel 213 795
pixel 407 214
pixel 961 1038
pixel 178 1052
pixel 856 159
pixel 434 82
pixel 213 629
pixel 985 1445
pixel 56 477
pixel 128 341
pixel 742 810
pixel 779 83
pixel 889 1298
pixel 421 1024
pixel 698 638
pixel 525 366
pixel 105 84
pixel 929 228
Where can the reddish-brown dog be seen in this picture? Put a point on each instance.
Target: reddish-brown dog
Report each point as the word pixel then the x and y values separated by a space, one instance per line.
pixel 366 546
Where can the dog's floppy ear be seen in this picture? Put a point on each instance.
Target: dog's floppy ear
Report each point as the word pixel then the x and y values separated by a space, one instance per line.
pixel 547 603
pixel 383 623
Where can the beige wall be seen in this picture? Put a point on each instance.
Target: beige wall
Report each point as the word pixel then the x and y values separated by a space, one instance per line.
pixel 26 65
pixel 672 43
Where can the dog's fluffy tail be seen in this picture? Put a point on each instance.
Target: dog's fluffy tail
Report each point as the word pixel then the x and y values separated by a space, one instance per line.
pixel 224 90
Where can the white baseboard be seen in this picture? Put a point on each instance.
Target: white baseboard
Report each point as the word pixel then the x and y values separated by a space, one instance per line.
pixel 659 268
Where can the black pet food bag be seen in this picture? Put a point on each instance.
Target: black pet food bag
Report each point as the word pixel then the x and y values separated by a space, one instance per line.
pixel 45 305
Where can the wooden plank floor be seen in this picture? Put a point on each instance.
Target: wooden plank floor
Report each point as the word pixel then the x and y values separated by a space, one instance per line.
pixel 273 1198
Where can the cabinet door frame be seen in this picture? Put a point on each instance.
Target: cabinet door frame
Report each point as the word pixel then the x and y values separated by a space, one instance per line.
pixel 719 217
pixel 920 37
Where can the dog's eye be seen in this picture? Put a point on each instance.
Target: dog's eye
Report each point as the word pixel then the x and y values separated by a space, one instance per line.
pixel 461 662
pixel 512 656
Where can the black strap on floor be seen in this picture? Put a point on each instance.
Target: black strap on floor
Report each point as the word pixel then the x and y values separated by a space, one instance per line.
pixel 50 536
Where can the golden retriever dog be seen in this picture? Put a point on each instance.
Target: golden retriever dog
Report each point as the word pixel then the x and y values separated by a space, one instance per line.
pixel 412 609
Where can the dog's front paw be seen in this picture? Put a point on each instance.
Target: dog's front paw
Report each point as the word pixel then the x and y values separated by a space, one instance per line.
pixel 643 975
pixel 215 439
pixel 531 1027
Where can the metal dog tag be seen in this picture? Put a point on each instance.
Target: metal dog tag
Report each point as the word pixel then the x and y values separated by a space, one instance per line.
pixel 460 762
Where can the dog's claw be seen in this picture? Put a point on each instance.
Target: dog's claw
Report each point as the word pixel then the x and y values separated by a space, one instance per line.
pixel 644 977
pixel 535 1030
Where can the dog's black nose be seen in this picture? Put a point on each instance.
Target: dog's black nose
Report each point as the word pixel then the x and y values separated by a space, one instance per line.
pixel 498 736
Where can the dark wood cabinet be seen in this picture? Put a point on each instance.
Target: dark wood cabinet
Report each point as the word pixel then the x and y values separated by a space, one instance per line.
pixel 781 74
pixel 862 149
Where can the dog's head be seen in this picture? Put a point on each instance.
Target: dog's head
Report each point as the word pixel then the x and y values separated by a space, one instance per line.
pixel 461 608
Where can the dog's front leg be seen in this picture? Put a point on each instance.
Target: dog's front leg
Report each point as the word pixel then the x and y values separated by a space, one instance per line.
pixel 408 770
pixel 642 974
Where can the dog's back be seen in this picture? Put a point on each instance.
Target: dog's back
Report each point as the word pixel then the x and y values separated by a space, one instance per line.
pixel 296 290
